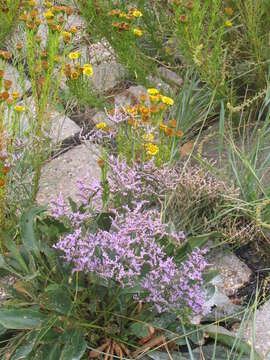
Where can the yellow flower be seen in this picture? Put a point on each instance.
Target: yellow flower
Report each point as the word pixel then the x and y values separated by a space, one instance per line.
pixel 48 4
pixel 15 95
pixel 167 100
pixel 19 108
pixel 151 149
pixel 228 23
pixel 87 70
pixel 74 75
pixel 137 13
pixel 74 55
pixel 101 125
pixel 163 127
pixel 152 91
pixel 228 11
pixel 154 98
pixel 49 14
pixel 73 29
pixel 148 137
pixel 66 33
pixel 137 32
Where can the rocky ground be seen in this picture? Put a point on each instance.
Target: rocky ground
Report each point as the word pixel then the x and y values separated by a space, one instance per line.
pixel 74 159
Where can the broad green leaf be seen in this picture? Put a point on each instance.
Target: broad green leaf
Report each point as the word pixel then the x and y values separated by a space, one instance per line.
pixel 15 258
pixel 139 329
pixel 48 351
pixel 26 348
pixel 75 347
pixel 3 264
pixel 2 330
pixel 58 299
pixel 21 318
pixel 227 338
pixel 27 225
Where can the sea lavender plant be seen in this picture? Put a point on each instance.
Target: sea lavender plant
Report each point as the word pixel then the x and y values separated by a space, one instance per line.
pixel 130 254
pixel 142 181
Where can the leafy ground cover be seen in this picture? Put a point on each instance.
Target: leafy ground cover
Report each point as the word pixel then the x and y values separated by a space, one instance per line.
pixel 119 264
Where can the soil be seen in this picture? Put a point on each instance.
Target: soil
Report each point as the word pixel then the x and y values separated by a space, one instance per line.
pixel 256 256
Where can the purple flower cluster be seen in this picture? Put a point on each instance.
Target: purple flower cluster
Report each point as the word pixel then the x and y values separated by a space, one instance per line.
pixel 141 179
pixel 171 287
pixel 136 183
pixel 130 254
pixel 61 211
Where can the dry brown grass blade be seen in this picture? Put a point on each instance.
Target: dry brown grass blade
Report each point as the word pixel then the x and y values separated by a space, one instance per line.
pixel 157 341
pixel 108 351
pixel 125 349
pixel 95 353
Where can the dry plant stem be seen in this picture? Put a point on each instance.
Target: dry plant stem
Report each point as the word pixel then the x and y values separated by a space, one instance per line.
pixel 157 341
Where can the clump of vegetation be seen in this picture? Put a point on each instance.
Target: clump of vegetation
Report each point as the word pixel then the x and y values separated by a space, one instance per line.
pixel 121 272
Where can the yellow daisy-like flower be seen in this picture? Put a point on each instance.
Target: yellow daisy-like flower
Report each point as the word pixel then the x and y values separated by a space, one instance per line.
pixel 15 95
pixel 163 127
pixel 74 55
pixel 137 32
pixel 87 70
pixel 48 4
pixel 137 13
pixel 154 98
pixel 153 91
pixel 101 125
pixel 49 14
pixel 73 29
pixel 151 149
pixel 66 34
pixel 19 108
pixel 228 11
pixel 167 100
pixel 148 137
pixel 228 23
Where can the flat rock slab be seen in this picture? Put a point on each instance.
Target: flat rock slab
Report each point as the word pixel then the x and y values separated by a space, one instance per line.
pixel 107 75
pixel 11 73
pixel 170 76
pixel 60 175
pixel 234 273
pixel 62 128
pixel 261 329
pixel 100 52
pixel 131 96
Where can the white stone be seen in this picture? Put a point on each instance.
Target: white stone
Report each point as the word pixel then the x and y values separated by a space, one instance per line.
pixel 234 273
pixel 11 73
pixel 131 96
pixel 60 175
pixel 259 325
pixel 107 75
pixel 170 76
pixel 62 128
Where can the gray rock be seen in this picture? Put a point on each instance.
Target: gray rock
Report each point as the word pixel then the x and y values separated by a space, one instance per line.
pixel 19 82
pixel 160 84
pixel 130 96
pixel 99 52
pixel 60 175
pixel 259 325
pixel 107 75
pixel 62 128
pixel 170 76
pixel 233 272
